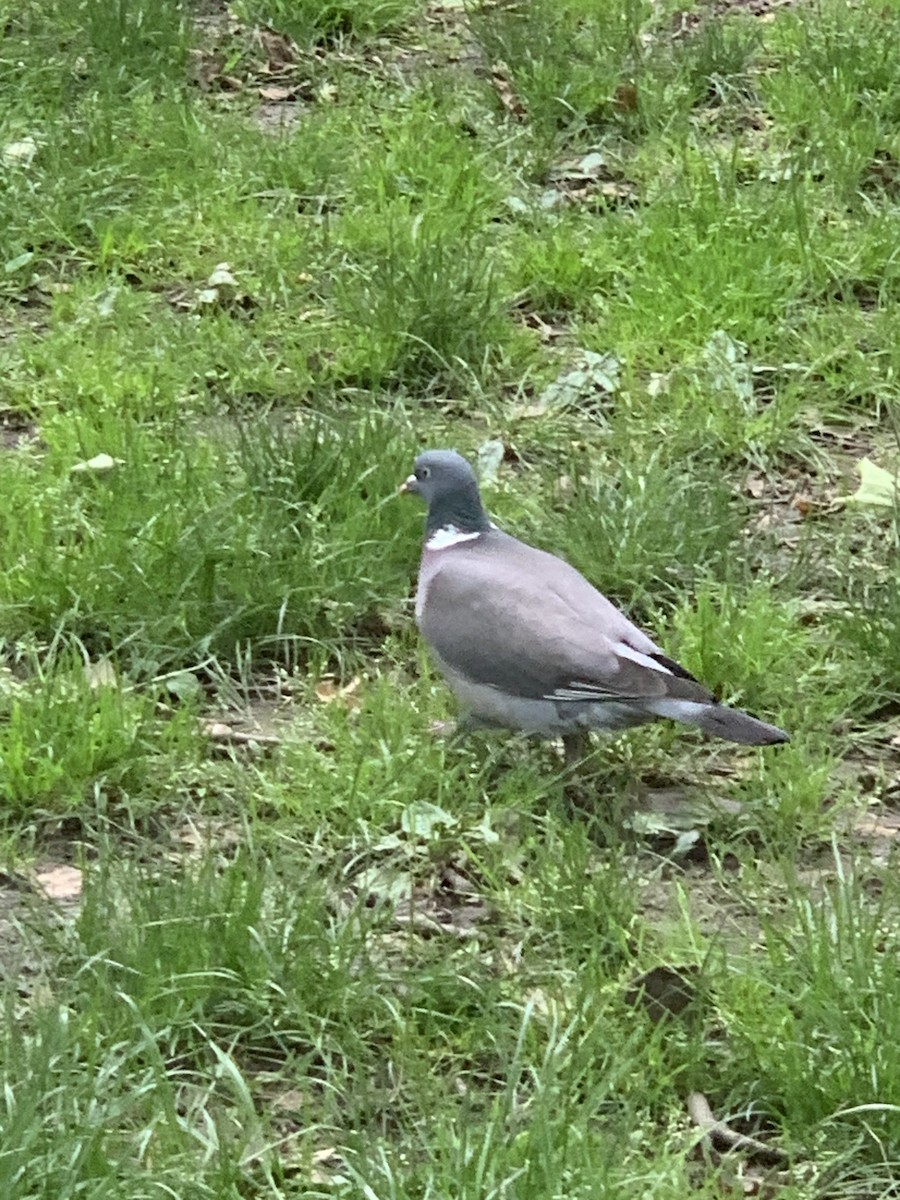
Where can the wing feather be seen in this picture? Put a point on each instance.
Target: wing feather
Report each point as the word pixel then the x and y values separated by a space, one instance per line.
pixel 510 616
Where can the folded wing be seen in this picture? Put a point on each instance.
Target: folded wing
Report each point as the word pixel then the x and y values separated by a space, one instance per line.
pixel 504 614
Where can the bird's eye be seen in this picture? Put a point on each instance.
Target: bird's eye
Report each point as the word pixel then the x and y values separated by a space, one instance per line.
pixel 423 472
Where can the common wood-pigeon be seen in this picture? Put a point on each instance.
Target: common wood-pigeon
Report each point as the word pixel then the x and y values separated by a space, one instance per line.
pixel 526 643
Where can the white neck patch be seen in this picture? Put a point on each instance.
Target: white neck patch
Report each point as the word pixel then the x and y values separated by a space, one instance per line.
pixel 449 535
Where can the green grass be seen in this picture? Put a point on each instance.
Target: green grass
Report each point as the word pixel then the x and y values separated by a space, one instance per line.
pixel 326 954
pixel 331 23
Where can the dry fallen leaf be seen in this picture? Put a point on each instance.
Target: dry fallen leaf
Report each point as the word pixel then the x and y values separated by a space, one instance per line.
pixel 291 1100
pixel 280 50
pixel 277 93
pixel 583 179
pixel 99 463
pixel 727 1140
pixel 19 153
pixel 222 276
pixel 490 459
pixel 659 384
pixel 885 824
pixel 205 69
pixel 60 882
pixel 101 673
pixel 616 189
pixel 548 332
pixel 625 97
pixel 508 98
pixel 210 834
pixel 664 991
pixel 329 691
pixel 877 487
pixel 219 731
pixel 328 1155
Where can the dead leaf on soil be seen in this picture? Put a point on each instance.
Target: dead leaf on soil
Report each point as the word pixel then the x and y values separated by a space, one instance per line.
pixel 500 78
pixel 19 154
pixel 882 172
pixel 205 68
pixel 329 691
pixel 101 673
pixel 422 819
pixel 878 488
pixel 99 464
pixel 884 824
pixel 276 117
pixel 16 432
pixel 429 915
pixel 277 93
pixel 221 290
pixel 584 168
pixel 490 459
pixel 548 332
pixel 60 883
pixel 755 485
pixel 280 50
pixel 292 1100
pixel 579 180
pixel 726 1140
pixel 664 991
pixel 659 384
pixel 727 368
pixel 182 685
pixel 219 731
pixel 625 97
pixel 667 819
pixel 320 1158
pixel 207 835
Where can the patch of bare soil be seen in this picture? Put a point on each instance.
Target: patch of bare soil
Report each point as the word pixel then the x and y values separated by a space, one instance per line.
pixel 29 906
pixel 31 314
pixel 443 42
pixel 687 21
pixel 236 60
pixel 17 431
pixel 19 960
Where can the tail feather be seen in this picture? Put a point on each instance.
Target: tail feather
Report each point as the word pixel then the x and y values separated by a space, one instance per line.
pixel 735 725
pixel 731 724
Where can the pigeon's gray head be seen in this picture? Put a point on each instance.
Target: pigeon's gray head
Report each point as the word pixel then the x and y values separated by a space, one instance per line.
pixel 446 482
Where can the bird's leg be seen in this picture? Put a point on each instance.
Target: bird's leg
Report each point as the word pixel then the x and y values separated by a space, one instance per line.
pixel 576 747
pixel 580 800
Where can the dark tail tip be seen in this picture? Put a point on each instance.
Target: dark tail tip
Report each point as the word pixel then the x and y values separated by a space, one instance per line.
pixel 736 726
